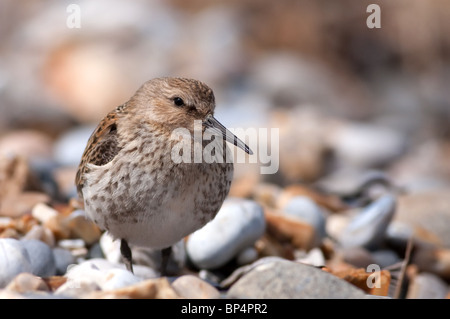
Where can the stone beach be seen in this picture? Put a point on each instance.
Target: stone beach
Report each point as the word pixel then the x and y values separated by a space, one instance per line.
pixel 360 204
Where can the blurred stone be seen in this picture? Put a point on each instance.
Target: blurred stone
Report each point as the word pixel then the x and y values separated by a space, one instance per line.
pixel 78 70
pixel 94 275
pixel 286 228
pixel 247 256
pixel 82 227
pixel 428 213
pixel 149 289
pixel 314 258
pixel 237 225
pixel 266 194
pixel 306 210
pixel 330 202
pixel 70 146
pixel 374 283
pixel 427 286
pixel 385 258
pixel 365 145
pixel 63 259
pixel 43 212
pixel 302 142
pixel 285 279
pixel 28 144
pixel 26 282
pixel 21 204
pixel 41 233
pixel 368 228
pixel 433 260
pixel 336 224
pixel 358 187
pixel 41 257
pixel 14 259
pixel 192 287
pixel 357 256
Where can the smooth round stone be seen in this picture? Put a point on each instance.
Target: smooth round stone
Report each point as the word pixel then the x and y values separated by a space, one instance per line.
pixel 63 259
pixel 41 258
pixel 309 212
pixel 14 259
pixel 368 228
pixel 291 280
pixel 237 225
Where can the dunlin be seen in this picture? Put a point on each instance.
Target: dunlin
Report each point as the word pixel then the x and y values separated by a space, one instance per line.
pixel 128 180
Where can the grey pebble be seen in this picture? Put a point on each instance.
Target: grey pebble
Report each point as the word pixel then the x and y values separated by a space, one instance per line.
pixel 14 259
pixel 41 257
pixel 63 259
pixel 287 279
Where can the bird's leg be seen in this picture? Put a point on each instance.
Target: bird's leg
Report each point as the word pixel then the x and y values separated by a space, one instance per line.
pixel 165 253
pixel 126 254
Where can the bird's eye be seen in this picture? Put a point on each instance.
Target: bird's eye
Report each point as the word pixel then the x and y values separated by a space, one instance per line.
pixel 178 101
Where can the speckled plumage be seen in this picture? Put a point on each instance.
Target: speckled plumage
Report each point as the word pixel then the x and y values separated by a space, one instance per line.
pixel 127 179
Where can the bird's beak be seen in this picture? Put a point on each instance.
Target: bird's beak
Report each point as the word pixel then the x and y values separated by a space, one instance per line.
pixel 217 128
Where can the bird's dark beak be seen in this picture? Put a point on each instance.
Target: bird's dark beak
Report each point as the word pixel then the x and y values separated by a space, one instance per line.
pixel 217 128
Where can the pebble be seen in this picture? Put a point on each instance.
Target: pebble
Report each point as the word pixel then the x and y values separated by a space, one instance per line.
pixel 247 256
pixel 287 229
pixel 314 258
pixel 192 287
pixel 427 286
pixel 41 233
pixel 428 213
pixel 158 288
pixel 81 227
pixel 368 228
pixel 286 279
pixel 14 259
pixel 308 211
pixel 385 257
pixel 26 282
pixel 21 204
pixel 63 259
pixel 365 145
pixel 356 186
pixel 29 144
pixel 43 212
pixel 41 257
pixel 69 147
pixel 95 274
pixel 357 256
pixel 237 225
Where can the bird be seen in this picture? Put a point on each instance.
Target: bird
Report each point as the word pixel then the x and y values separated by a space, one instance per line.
pixel 131 179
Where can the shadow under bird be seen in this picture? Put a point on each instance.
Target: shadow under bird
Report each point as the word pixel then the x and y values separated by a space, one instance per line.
pixel 128 181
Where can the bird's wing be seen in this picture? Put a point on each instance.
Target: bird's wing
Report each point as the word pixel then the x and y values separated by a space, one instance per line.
pixel 102 147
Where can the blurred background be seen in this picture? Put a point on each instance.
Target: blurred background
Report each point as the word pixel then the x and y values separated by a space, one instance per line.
pixel 346 98
pixel 361 113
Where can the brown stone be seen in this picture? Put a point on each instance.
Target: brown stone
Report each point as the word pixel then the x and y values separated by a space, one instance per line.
pixel 192 287
pixel 363 280
pixel 286 228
